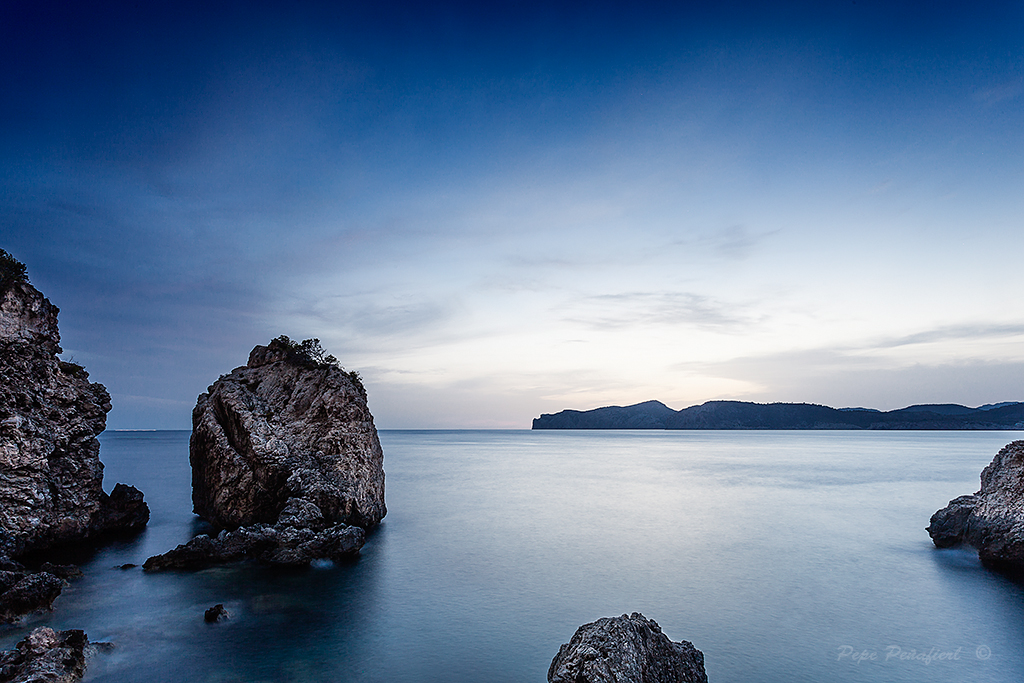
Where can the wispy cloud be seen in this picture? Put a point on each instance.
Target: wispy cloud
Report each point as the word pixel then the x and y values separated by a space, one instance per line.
pixel 952 333
pixel 605 311
pixel 999 93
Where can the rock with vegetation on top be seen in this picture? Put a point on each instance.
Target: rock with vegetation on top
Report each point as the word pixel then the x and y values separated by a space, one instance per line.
pixel 626 649
pixel 285 461
pixel 46 656
pixel 991 520
pixel 290 424
pixel 51 478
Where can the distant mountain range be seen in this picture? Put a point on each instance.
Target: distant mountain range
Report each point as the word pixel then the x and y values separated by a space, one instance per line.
pixel 744 415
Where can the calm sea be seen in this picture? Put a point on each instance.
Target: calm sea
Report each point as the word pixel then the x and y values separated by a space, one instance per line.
pixel 784 556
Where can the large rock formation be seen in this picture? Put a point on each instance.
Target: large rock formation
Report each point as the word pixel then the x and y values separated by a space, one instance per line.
pixel 626 649
pixel 285 459
pixel 51 478
pixel 991 520
pixel 285 426
pixel 46 656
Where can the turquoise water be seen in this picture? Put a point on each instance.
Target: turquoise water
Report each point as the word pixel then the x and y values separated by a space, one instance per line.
pixel 784 556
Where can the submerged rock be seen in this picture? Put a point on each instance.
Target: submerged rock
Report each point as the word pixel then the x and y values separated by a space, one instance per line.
pixel 991 520
pixel 46 656
pixel 285 460
pixel 215 614
pixel 626 649
pixel 51 478
pixel 285 426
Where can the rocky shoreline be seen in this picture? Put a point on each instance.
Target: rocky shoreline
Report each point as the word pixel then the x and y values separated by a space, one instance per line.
pixel 51 477
pixel 46 656
pixel 992 519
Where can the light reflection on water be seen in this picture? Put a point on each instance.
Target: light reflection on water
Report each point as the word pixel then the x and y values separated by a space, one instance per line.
pixel 771 551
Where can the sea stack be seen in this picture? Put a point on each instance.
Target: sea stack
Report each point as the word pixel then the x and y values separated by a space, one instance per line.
pixel 626 649
pixel 51 477
pixel 991 520
pixel 285 461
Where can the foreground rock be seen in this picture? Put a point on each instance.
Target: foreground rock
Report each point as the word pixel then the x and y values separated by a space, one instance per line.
pixel 626 649
pixel 46 656
pixel 51 478
pixel 23 592
pixel 286 425
pixel 991 520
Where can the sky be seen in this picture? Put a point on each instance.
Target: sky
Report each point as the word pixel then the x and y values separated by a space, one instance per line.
pixel 496 212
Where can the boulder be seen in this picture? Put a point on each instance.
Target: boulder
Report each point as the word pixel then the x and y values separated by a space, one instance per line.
pixel 51 477
pixel 626 649
pixel 26 592
pixel 286 426
pixel 991 520
pixel 46 656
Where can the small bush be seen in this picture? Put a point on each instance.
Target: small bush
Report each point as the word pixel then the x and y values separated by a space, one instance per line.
pixel 311 354
pixel 307 352
pixel 70 367
pixel 11 270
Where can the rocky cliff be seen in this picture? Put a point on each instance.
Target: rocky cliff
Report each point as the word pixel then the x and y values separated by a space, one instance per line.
pixel 626 649
pixel 51 478
pixel 991 520
pixel 285 460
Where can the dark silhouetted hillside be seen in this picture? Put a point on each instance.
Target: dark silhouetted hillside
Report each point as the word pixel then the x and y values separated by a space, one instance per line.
pixel 745 415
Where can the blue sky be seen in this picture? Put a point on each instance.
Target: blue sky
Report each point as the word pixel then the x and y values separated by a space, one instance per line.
pixel 493 213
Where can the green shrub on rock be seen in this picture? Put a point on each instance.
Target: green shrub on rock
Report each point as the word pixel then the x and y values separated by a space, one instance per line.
pixel 11 270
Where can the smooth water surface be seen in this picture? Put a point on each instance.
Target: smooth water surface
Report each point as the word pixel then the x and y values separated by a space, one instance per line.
pixel 784 556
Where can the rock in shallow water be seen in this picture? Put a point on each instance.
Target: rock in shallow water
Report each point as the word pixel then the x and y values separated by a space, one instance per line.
pixel 25 592
pixel 46 656
pixel 51 478
pixel 215 614
pixel 626 649
pixel 286 460
pixel 280 428
pixel 991 520
pixel 280 544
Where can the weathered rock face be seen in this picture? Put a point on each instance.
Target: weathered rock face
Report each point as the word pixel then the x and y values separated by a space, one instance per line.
pixel 279 429
pixel 23 592
pixel 51 478
pixel 991 520
pixel 626 649
pixel 46 656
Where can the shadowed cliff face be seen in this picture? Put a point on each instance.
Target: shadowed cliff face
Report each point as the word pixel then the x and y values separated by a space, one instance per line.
pixel 991 520
pixel 51 478
pixel 279 429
